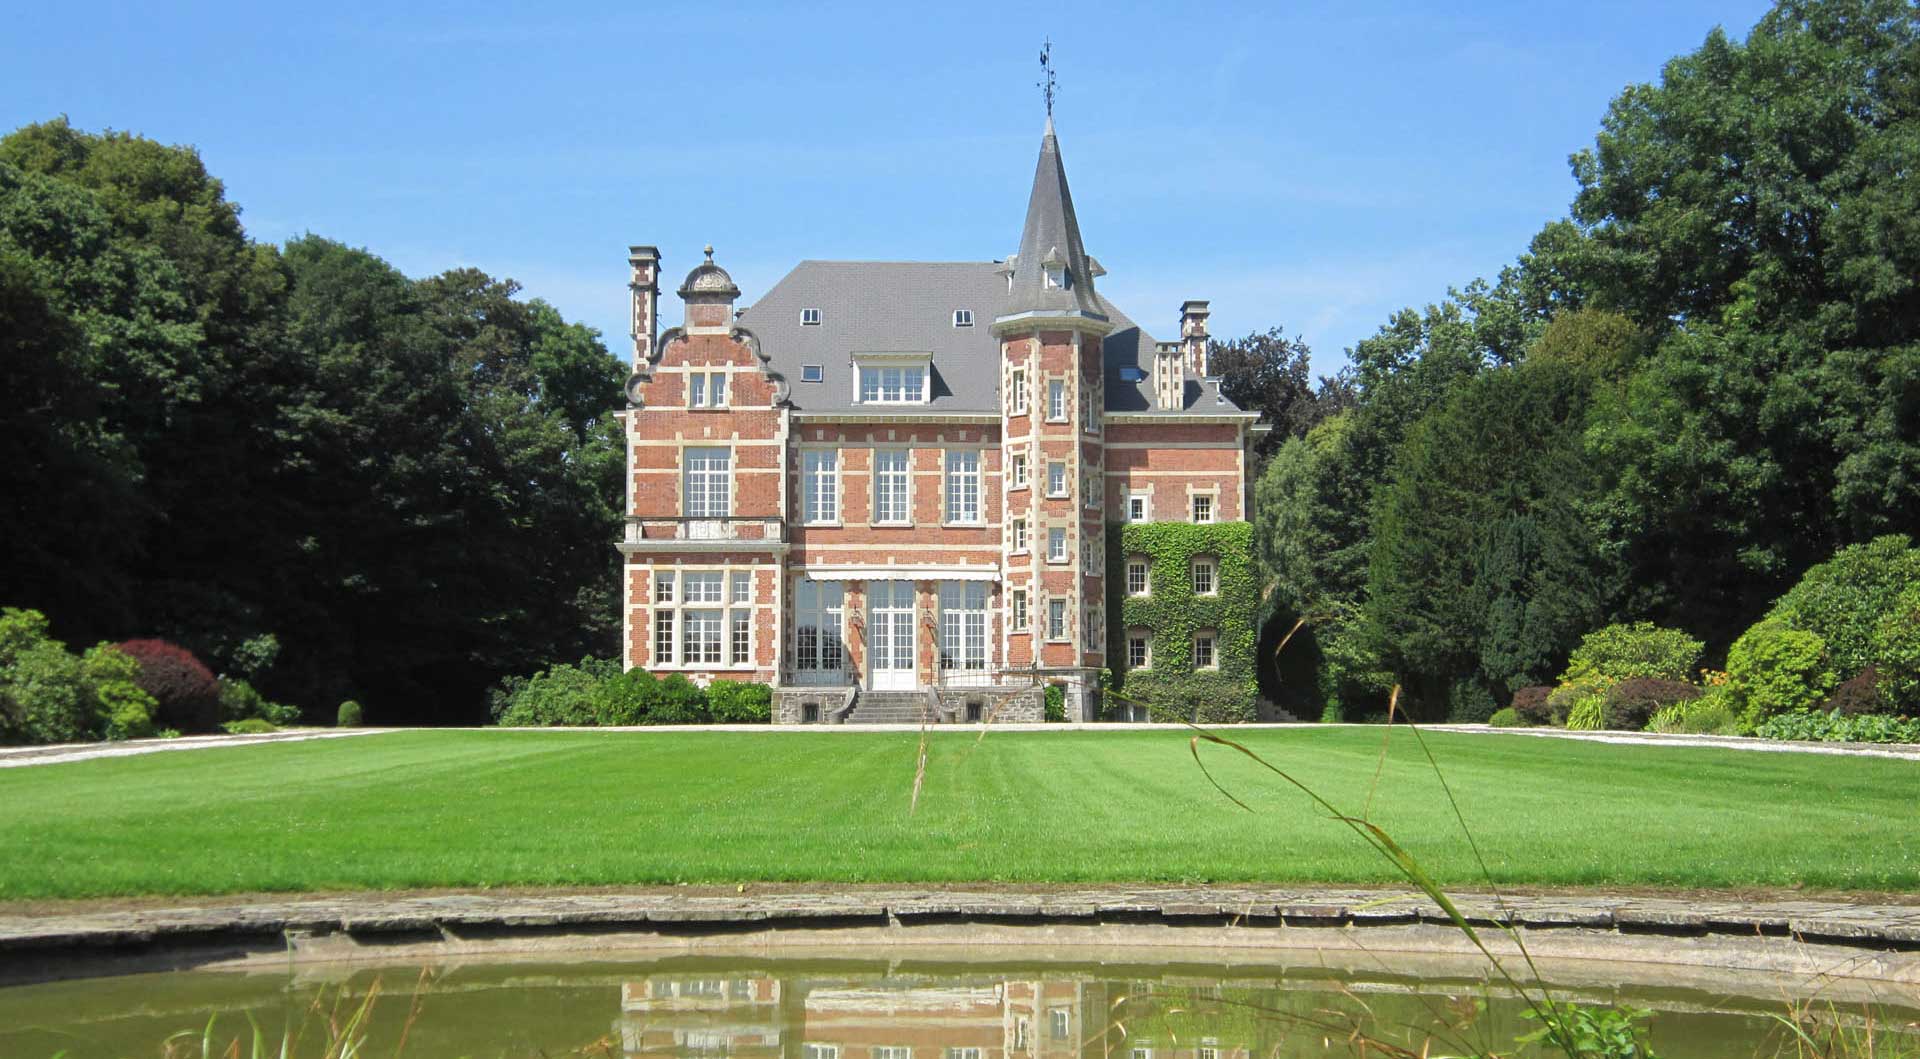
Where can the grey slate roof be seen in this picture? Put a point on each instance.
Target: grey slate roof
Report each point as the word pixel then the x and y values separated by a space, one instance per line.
pixel 907 307
pixel 1050 239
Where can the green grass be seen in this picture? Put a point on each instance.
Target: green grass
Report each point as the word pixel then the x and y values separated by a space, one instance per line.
pixel 581 808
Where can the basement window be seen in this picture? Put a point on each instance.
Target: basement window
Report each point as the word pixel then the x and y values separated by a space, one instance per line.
pixel 812 373
pixel 810 317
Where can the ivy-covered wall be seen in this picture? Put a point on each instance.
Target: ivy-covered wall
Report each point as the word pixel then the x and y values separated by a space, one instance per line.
pixel 1171 688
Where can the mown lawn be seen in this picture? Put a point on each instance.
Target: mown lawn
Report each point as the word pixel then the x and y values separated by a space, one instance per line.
pixel 568 808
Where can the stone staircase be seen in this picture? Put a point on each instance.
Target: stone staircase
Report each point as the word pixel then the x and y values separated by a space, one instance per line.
pixel 891 707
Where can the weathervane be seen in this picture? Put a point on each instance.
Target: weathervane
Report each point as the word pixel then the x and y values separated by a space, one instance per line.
pixel 1046 85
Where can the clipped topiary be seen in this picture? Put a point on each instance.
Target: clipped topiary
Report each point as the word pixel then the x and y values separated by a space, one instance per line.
pixel 1632 703
pixel 1531 705
pixel 350 715
pixel 185 693
pixel 1626 651
pixel 1774 669
pixel 735 702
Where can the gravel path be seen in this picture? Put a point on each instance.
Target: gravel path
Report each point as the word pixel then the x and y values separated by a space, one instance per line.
pixel 16 756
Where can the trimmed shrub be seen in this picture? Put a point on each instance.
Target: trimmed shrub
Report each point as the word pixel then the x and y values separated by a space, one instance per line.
pixel 622 699
pixel 1588 715
pixel 738 702
pixel 1857 695
pixel 109 676
pixel 50 695
pixel 1632 703
pixel 1054 704
pixel 239 701
pixel 571 695
pixel 1626 651
pixel 249 726
pixel 678 701
pixel 184 690
pixel 1506 717
pixel 350 715
pixel 1531 705
pixel 1844 599
pixel 1896 647
pixel 1774 669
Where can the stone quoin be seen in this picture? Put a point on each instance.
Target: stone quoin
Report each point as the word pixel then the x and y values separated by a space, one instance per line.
pixel 884 487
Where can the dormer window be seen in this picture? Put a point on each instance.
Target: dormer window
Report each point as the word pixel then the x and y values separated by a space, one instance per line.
pixel 810 318
pixel 895 378
pixel 963 318
pixel 1056 278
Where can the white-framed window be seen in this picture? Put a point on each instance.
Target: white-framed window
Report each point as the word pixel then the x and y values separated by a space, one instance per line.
pixel 813 373
pixel 707 389
pixel 708 482
pixel 1141 1053
pixel 892 1051
pixel 893 385
pixel 1019 610
pixel 1056 619
pixel 819 1051
pixel 963 485
pixel 1206 579
pixel 820 484
pixel 1203 653
pixel 1208 1051
pixel 1139 649
pixel 963 625
pixel 810 318
pixel 1056 400
pixel 892 476
pixel 1019 470
pixel 1136 507
pixel 1059 1023
pixel 963 1053
pixel 1203 507
pixel 1056 479
pixel 703 618
pixel 1019 391
pixel 1139 575
pixel 963 318
pixel 819 607
pixel 1094 490
pixel 1020 1035
pixel 1019 535
pixel 1056 544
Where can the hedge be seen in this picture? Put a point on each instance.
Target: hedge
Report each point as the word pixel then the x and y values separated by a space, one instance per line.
pixel 1171 688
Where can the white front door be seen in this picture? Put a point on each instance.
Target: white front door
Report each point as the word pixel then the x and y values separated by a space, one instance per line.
pixel 890 636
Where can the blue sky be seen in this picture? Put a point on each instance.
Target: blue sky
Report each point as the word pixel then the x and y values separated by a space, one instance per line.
pixel 1313 167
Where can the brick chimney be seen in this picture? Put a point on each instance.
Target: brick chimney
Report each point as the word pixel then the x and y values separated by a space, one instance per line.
pixel 643 263
pixel 1193 339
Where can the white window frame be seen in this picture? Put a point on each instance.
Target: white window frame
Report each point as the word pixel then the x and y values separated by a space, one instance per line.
pixel 1056 620
pixel 1019 384
pixel 707 389
pixel 1059 1023
pixel 892 483
pixel 1056 544
pixel 1212 640
pixel 1194 506
pixel 1056 400
pixel 1141 564
pixel 1019 469
pixel 962 644
pixel 706 482
pixel 1207 566
pixel 893 381
pixel 892 1051
pixel 1145 503
pixel 810 317
pixel 1144 640
pixel 820 608
pixel 963 318
pixel 1056 478
pixel 963 485
pixel 1019 606
pixel 703 619
pixel 813 373
pixel 820 486
pixel 1019 535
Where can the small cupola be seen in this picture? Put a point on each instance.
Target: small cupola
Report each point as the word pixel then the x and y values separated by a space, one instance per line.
pixel 709 293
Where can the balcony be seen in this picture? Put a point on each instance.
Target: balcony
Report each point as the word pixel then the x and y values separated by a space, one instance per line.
pixel 647 531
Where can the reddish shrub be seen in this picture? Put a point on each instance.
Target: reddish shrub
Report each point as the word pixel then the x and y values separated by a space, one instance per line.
pixel 1859 695
pixel 1531 705
pixel 186 691
pixel 1632 703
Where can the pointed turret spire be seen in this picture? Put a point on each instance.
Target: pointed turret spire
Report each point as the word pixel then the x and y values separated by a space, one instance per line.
pixel 1051 278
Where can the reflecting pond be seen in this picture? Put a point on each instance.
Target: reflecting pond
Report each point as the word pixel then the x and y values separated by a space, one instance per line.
pixel 853 1009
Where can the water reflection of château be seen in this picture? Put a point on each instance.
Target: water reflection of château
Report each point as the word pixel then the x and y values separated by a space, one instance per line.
pixel 842 1018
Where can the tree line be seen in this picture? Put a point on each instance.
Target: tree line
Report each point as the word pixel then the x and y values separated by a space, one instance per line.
pixel 294 460
pixel 1700 383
